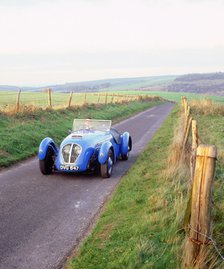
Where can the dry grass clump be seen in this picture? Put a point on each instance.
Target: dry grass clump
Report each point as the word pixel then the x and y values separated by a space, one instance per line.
pixel 178 159
pixel 207 106
pixel 11 109
pixel 178 170
pixel 148 98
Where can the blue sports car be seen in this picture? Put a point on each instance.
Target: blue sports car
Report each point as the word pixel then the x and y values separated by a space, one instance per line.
pixel 91 146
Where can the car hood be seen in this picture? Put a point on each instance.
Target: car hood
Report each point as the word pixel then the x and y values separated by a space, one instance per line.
pixel 86 138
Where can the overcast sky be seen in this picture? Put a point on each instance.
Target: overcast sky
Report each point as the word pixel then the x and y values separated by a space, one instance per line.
pixel 57 41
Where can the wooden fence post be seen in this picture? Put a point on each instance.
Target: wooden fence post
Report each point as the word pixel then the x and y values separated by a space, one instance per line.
pixel 112 98
pixel 98 98
pixel 182 101
pixel 70 100
pixel 85 99
pixel 194 135
pixel 193 147
pixel 186 119
pixel 187 130
pixel 49 91
pixel 106 98
pixel 197 241
pixel 185 104
pixel 18 101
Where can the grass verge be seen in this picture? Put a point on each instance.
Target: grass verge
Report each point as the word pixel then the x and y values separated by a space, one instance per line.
pixel 22 133
pixel 138 228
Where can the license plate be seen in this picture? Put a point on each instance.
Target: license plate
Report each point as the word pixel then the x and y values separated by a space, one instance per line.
pixel 69 167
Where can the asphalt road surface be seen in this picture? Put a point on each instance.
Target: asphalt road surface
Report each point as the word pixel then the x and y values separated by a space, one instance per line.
pixel 42 218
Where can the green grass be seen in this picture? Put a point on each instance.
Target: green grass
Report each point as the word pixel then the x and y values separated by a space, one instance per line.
pixel 138 83
pixel 21 134
pixel 176 96
pixel 138 228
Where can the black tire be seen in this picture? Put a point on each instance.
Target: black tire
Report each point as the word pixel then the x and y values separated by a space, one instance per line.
pixel 46 165
pixel 125 156
pixel 106 169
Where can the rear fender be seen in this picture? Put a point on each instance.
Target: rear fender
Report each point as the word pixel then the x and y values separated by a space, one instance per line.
pixel 104 150
pixel 126 143
pixel 44 145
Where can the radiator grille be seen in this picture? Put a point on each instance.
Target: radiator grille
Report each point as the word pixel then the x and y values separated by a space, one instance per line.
pixel 70 153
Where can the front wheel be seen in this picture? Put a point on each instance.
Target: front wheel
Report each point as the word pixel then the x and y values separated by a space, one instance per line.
pixel 107 167
pixel 46 165
pixel 124 157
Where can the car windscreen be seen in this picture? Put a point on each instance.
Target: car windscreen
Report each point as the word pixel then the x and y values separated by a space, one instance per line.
pixel 89 124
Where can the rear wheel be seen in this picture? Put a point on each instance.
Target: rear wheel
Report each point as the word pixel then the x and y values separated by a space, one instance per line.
pixel 107 167
pixel 46 165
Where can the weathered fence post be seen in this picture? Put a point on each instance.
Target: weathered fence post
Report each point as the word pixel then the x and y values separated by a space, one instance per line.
pixel 193 147
pixel 70 100
pixel 182 101
pixel 187 131
pixel 98 98
pixel 186 117
pixel 197 241
pixel 112 98
pixel 106 98
pixel 85 98
pixel 185 104
pixel 49 91
pixel 18 101
pixel 194 135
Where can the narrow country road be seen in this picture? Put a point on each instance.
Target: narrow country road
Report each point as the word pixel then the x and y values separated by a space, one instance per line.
pixel 42 218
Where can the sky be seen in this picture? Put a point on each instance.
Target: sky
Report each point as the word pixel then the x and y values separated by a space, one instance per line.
pixel 57 41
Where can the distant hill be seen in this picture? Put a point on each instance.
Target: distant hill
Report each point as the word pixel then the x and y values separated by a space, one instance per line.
pixel 210 83
pixel 207 83
pixel 100 85
pixel 8 88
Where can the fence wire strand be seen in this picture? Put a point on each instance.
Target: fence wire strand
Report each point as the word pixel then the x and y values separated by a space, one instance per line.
pixel 211 240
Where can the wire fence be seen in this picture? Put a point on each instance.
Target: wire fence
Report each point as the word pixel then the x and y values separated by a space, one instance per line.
pixel 13 102
pixel 210 240
pixel 197 218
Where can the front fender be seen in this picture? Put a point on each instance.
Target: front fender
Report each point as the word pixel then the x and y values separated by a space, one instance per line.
pixel 45 143
pixel 126 143
pixel 104 150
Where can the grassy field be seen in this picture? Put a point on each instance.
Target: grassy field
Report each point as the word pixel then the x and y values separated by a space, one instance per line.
pixel 21 134
pixel 141 227
pixel 138 83
pixel 40 99
pixel 176 96
pixel 60 100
